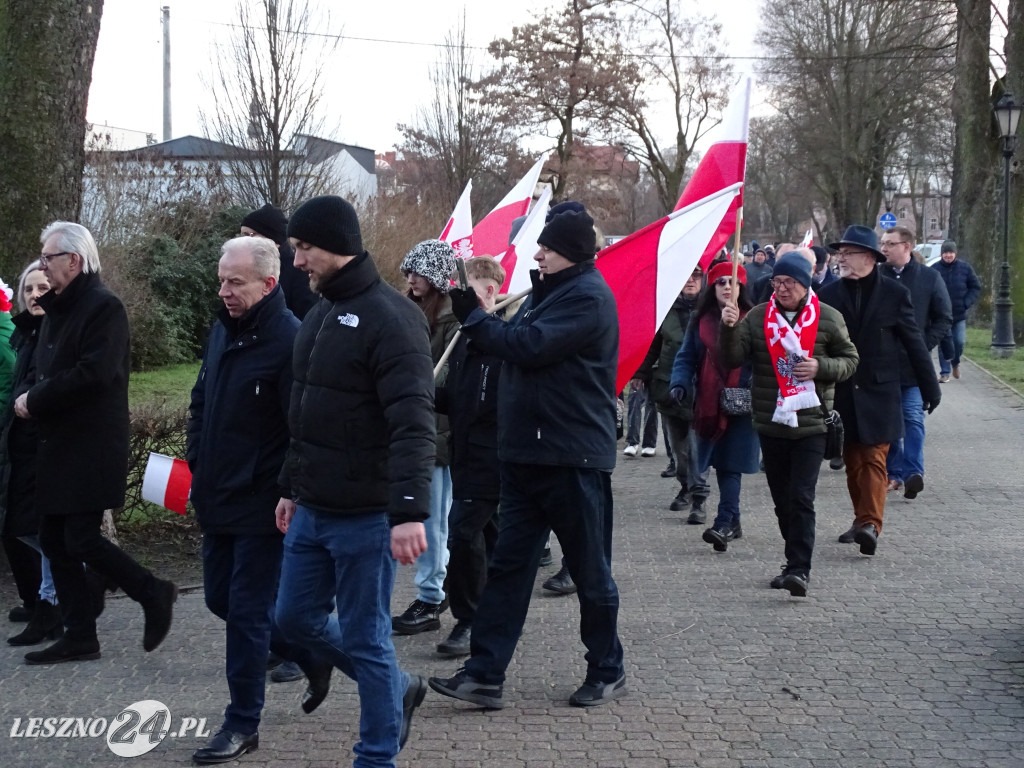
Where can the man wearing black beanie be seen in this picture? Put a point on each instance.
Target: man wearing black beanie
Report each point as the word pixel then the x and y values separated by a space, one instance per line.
pixel 271 223
pixel 556 448
pixel 358 469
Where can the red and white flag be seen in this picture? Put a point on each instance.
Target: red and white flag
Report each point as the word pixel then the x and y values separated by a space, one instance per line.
pixel 518 259
pixel 647 270
pixel 722 165
pixel 458 232
pixel 808 240
pixel 167 482
pixel 490 235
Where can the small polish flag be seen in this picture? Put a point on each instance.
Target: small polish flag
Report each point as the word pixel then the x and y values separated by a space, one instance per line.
pixel 518 259
pixel 808 240
pixel 723 165
pixel 167 482
pixel 458 232
pixel 647 270
pixel 490 235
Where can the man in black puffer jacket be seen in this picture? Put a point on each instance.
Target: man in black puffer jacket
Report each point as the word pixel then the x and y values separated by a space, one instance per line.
pixel 556 445
pixel 358 467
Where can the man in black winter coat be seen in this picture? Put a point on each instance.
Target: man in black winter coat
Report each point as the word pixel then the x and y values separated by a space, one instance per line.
pixel 237 437
pixel 905 463
pixel 79 399
pixel 880 318
pixel 964 289
pixel 556 445
pixel 357 470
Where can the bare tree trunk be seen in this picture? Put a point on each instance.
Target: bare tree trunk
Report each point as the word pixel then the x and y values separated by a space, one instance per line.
pixel 973 214
pixel 1014 49
pixel 45 72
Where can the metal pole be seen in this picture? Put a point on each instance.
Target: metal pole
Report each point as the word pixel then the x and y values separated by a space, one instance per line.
pixel 1002 327
pixel 165 13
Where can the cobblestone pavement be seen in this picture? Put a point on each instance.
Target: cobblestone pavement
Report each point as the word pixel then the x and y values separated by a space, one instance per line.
pixel 912 658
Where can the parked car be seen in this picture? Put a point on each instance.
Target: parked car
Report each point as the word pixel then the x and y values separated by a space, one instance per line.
pixel 930 250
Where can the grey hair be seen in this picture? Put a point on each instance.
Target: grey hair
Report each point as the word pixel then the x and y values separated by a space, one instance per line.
pixel 20 296
pixel 266 258
pixel 74 238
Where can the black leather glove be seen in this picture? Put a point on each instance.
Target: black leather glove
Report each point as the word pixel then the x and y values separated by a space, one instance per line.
pixel 678 394
pixel 464 301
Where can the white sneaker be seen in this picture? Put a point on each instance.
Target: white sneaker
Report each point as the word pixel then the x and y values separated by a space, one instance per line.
pixel 648 452
pixel 630 450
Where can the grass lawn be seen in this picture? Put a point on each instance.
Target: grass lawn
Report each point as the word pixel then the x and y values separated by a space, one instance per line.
pixel 977 350
pixel 172 384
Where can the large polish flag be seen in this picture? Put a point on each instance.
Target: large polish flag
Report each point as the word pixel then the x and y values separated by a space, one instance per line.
pixel 722 165
pixel 490 235
pixel 458 232
pixel 647 270
pixel 518 259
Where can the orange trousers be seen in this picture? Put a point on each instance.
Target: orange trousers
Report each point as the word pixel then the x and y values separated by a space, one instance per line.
pixel 867 481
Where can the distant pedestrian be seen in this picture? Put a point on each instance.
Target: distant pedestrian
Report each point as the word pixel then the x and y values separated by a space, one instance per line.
pixel 271 223
pixel 964 288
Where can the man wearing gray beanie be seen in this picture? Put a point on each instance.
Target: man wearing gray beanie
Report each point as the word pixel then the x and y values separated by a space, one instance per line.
pixel 357 471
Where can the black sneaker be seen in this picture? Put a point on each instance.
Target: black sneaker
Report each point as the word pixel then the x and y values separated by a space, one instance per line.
pixel 457 643
pixel 680 502
pixel 286 672
pixel 418 617
pixel 836 463
pixel 592 694
pixel 796 583
pixel 464 687
pixel 718 538
pixel 670 470
pixel 697 514
pixel 561 583
pixel 545 558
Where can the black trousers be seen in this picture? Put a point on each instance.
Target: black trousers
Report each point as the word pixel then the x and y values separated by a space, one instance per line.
pixel 791 468
pixel 472 530
pixel 25 568
pixel 73 541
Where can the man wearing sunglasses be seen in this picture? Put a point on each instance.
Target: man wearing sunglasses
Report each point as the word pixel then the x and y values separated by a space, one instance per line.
pixel 880 317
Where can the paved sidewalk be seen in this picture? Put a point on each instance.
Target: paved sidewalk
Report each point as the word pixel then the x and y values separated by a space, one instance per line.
pixel 912 658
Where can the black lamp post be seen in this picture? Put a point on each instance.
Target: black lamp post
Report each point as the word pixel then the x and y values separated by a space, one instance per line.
pixel 889 190
pixel 1008 115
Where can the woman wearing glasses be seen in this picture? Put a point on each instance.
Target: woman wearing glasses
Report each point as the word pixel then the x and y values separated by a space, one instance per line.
pixel 725 441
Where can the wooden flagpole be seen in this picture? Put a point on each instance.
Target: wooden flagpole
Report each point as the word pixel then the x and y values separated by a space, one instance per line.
pixel 458 333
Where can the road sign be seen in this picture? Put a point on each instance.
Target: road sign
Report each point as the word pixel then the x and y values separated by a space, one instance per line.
pixel 887 220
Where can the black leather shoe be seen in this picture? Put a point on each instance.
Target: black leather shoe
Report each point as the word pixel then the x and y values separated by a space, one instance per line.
pixel 319 678
pixel 561 583
pixel 867 538
pixel 776 583
pixel 680 502
pixel 670 470
pixel 718 538
pixel 849 537
pixel 418 617
pixel 413 698
pixel 457 643
pixel 44 625
pixel 913 486
pixel 19 614
pixel 158 610
pixel 65 650
pixel 796 583
pixel 697 513
pixel 226 746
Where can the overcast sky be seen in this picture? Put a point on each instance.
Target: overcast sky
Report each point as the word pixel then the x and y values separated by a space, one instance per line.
pixel 371 84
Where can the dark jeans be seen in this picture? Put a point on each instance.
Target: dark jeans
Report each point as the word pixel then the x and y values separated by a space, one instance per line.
pixel 471 524
pixel 240 575
pixel 641 419
pixel 728 499
pixel 791 468
pixel 577 504
pixel 74 541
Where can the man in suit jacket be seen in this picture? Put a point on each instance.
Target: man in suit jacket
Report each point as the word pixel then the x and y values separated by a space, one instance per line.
pixel 880 318
pixel 934 316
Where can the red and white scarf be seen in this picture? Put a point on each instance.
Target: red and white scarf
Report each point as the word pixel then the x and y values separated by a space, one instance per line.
pixel 788 345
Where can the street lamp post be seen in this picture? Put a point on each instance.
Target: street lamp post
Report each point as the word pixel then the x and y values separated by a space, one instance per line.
pixel 1008 113
pixel 889 190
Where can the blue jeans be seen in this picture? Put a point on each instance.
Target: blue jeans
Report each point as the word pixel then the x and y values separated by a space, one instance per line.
pixel 906 455
pixel 432 565
pixel 728 499
pixel 952 346
pixel 348 559
pixel 641 419
pixel 577 505
pixel 47 591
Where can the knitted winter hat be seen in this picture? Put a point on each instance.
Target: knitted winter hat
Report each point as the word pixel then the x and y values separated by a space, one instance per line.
pixel 724 269
pixel 794 264
pixel 570 234
pixel 433 259
pixel 568 205
pixel 327 222
pixel 948 246
pixel 269 222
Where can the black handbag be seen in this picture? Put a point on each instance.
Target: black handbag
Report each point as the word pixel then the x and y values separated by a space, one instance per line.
pixel 734 401
pixel 834 435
